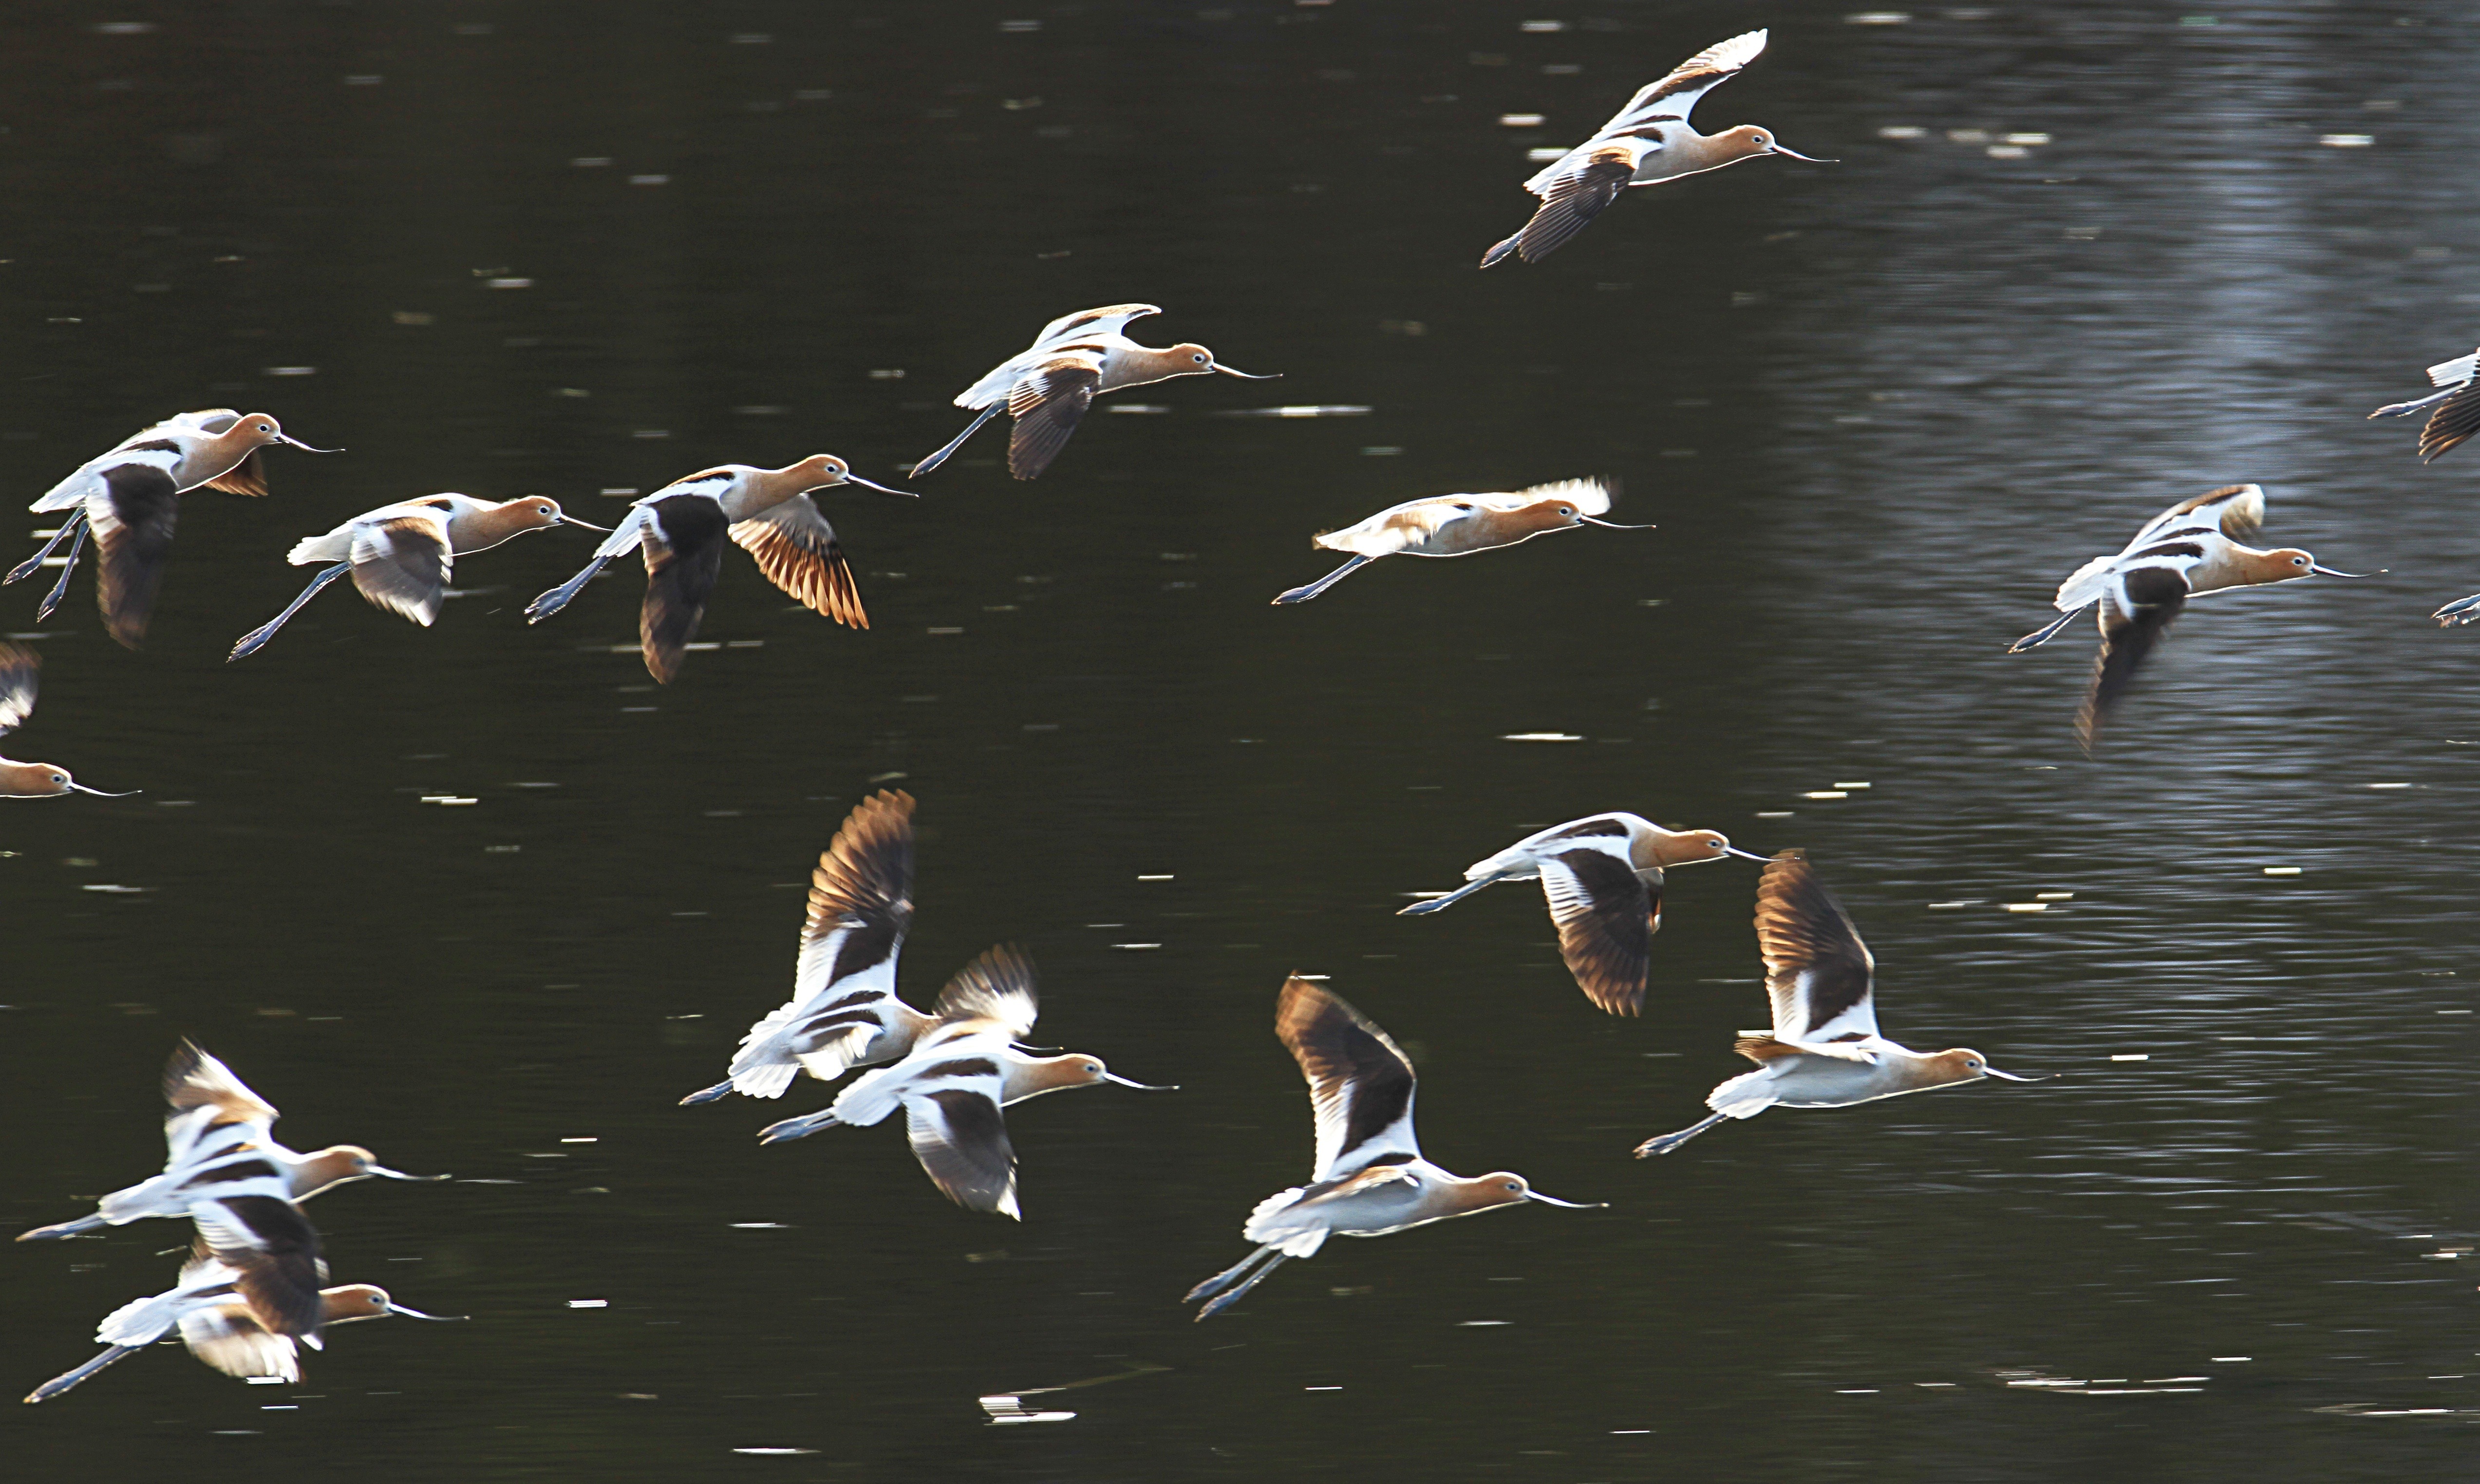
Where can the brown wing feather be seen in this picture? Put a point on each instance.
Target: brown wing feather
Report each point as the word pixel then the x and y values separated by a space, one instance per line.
pixel 797 550
pixel 965 1150
pixel 1816 967
pixel 2454 420
pixel 2238 523
pixel 274 1247
pixel 2127 640
pixel 1573 201
pixel 193 1079
pixel 133 537
pixel 1346 1061
pixel 246 478
pixel 18 666
pixel 402 566
pixel 865 875
pixel 1606 924
pixel 1046 406
pixel 680 572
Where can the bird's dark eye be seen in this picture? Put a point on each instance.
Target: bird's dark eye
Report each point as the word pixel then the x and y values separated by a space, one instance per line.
pixel 1199 359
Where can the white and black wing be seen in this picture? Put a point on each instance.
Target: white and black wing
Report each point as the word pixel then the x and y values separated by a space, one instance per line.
pixel 1109 319
pixel 1818 975
pixel 402 564
pixel 998 987
pixel 951 1113
pixel 18 666
pixel 1360 1083
pixel 1607 915
pixel 2136 612
pixel 843 985
pixel 1667 100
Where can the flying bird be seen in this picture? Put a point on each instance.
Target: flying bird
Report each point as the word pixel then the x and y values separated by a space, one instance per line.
pixel 2194 548
pixel 1824 1050
pixel 1645 143
pixel 1048 386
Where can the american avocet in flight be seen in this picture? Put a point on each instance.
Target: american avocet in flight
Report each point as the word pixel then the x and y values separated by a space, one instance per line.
pixel 2459 416
pixel 1824 1050
pixel 128 497
pixel 220 1306
pixel 1370 1180
pixel 2187 551
pixel 401 555
pixel 1460 524
pixel 1048 386
pixel 221 1144
pixel 955 1080
pixel 683 527
pixel 1602 875
pixel 1645 143
pixel 30 780
pixel 843 1011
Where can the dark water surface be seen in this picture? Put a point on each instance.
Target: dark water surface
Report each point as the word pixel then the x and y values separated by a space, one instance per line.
pixel 1878 408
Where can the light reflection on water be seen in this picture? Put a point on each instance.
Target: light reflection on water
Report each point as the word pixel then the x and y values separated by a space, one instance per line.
pixel 1083 683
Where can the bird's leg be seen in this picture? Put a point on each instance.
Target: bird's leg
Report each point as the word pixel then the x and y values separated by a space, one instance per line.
pixel 1274 1259
pixel 2046 633
pixel 74 526
pixel 1224 1279
pixel 61 1383
pixel 707 1094
pixel 1305 594
pixel 1242 1291
pixel 557 598
pixel 955 442
pixel 2406 409
pixel 798 1128
pixel 1436 903
pixel 1663 1143
pixel 60 589
pixel 251 642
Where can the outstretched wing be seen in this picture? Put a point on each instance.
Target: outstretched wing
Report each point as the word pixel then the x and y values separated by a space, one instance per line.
pixel 861 906
pixel 683 557
pixel 797 550
pixel 1047 402
pixel 18 666
pixel 246 478
pixel 193 1079
pixel 1819 973
pixel 1669 98
pixel 2134 615
pixel 1360 1083
pixel 1575 197
pixel 275 1251
pixel 997 986
pixel 132 519
pixel 961 1138
pixel 1109 319
pixel 2236 510
pixel 402 564
pixel 2452 424
pixel 1591 497
pixel 1607 915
